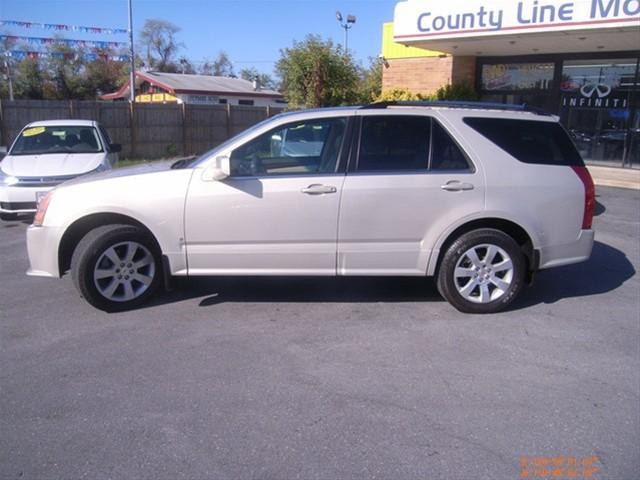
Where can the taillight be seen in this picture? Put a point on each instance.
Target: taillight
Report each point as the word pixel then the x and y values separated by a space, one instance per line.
pixel 589 196
pixel 38 220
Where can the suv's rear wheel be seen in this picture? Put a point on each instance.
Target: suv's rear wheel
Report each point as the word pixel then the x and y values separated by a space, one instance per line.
pixel 482 271
pixel 116 267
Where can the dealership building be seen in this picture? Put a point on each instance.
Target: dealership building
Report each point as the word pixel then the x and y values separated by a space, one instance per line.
pixel 576 59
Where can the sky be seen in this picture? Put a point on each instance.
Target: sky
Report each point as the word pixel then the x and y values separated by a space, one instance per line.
pixel 252 32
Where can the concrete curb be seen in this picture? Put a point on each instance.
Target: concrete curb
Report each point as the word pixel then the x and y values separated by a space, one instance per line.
pixel 615 177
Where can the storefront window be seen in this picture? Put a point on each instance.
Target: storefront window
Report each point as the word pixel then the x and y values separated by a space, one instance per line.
pixel 597 105
pixel 498 77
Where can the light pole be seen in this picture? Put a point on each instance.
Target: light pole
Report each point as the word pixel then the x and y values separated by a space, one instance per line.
pixel 132 74
pixel 347 25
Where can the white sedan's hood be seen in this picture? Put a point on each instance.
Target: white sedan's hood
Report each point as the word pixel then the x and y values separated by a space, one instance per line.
pixel 51 164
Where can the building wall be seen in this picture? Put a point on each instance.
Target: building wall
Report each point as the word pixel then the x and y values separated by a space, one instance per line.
pixel 427 74
pixel 419 70
pixel 201 99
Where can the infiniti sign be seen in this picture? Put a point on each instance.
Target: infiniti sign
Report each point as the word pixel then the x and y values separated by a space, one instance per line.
pixel 601 89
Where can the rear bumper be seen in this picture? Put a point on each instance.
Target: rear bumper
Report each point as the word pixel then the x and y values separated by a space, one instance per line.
pixel 568 253
pixel 42 247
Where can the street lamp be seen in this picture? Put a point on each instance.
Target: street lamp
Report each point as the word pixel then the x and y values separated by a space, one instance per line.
pixel 351 19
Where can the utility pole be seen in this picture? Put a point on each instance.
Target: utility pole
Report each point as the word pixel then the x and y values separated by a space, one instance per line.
pixel 7 66
pixel 351 19
pixel 132 74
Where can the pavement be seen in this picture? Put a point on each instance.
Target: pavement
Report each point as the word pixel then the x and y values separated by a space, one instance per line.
pixel 615 177
pixel 280 378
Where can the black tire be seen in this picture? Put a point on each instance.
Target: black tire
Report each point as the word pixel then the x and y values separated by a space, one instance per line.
pixel 456 256
pixel 8 217
pixel 91 249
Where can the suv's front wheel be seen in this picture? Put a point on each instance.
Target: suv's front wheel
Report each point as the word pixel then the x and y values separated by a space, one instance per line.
pixel 482 271
pixel 116 267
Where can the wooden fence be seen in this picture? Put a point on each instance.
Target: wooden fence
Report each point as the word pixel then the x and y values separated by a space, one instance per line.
pixel 144 130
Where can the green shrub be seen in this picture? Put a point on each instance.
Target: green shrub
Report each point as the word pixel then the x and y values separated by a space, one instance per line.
pixel 457 91
pixel 400 94
pixel 172 150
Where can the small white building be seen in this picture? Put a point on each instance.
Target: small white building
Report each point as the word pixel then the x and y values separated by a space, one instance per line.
pixel 160 87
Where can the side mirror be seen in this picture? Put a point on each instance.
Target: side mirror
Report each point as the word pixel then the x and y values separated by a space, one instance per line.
pixel 220 170
pixel 115 147
pixel 3 150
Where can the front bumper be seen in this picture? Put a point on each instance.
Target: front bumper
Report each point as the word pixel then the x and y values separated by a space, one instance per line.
pixel 20 199
pixel 42 247
pixel 568 253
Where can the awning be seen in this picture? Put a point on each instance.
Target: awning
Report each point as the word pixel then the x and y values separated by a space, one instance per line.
pixel 510 27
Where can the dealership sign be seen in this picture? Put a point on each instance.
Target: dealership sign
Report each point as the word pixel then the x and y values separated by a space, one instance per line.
pixel 436 19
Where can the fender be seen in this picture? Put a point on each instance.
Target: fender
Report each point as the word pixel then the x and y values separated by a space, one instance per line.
pixel 487 216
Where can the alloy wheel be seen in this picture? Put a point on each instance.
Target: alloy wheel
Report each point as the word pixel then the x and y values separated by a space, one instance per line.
pixel 124 271
pixel 484 273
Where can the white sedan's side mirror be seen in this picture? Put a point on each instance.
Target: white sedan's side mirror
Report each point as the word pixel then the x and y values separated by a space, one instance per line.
pixel 220 170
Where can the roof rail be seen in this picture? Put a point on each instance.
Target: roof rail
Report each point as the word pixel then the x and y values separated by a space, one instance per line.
pixel 458 104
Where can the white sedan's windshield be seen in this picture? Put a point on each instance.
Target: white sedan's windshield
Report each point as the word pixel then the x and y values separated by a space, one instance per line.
pixel 45 140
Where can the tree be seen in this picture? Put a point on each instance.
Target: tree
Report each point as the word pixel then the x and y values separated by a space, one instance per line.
pixel 315 73
pixel 264 80
pixel 30 79
pixel 104 75
pixel 370 81
pixel 185 66
pixel 158 41
pixel 66 70
pixel 221 66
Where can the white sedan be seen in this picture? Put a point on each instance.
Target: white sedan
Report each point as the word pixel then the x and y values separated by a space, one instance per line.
pixel 46 154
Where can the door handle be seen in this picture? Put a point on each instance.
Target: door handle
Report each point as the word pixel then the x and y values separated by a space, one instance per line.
pixel 317 189
pixel 456 186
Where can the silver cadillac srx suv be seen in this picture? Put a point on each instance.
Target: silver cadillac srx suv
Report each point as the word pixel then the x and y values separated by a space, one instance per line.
pixel 478 195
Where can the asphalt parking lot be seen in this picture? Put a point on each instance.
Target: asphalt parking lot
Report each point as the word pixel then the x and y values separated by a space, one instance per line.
pixel 325 378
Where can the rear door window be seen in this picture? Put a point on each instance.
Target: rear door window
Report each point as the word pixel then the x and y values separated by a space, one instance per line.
pixel 395 143
pixel 529 141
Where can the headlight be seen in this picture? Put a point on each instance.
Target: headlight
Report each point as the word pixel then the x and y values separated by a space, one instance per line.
pixel 38 220
pixel 8 179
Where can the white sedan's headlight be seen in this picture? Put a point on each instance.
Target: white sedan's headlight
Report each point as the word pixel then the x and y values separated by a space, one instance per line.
pixel 7 179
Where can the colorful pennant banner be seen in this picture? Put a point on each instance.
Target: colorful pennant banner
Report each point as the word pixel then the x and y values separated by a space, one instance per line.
pixel 90 57
pixel 66 41
pixel 61 27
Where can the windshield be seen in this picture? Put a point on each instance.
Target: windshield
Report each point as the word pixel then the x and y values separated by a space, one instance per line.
pixel 225 144
pixel 44 140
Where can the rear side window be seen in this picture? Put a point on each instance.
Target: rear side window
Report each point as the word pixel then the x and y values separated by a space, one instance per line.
pixel 542 143
pixel 397 143
pixel 394 143
pixel 446 154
